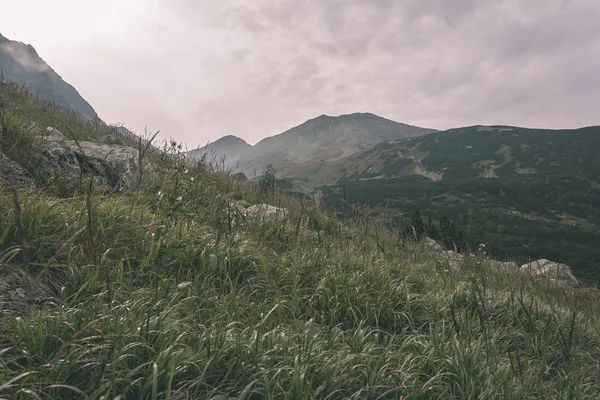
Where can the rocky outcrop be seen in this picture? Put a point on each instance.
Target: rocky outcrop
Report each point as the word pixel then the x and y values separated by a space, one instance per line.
pixel 112 164
pixel 554 272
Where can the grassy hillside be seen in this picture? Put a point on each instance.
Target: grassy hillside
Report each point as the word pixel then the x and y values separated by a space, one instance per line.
pixel 540 188
pixel 167 292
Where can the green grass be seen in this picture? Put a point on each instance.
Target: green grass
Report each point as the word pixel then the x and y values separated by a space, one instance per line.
pixel 18 100
pixel 166 292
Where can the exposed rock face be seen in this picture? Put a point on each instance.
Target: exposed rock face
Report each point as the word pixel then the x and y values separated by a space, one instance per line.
pixel 119 162
pixel 555 272
pixel 111 164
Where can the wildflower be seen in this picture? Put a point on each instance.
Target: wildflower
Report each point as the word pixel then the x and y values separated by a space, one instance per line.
pixel 192 179
pixel 185 171
pixel 179 198
pixel 160 194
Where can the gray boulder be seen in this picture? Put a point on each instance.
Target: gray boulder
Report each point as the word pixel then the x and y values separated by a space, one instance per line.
pixel 452 259
pixel 53 134
pixel 502 265
pixel 266 211
pixel 20 295
pixel 554 272
pixel 431 244
pixel 114 164
pixel 12 173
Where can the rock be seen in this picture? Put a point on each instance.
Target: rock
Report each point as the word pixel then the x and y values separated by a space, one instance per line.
pixel 58 157
pixel 432 244
pixel 240 205
pixel 265 211
pixel 54 134
pixel 12 173
pixel 557 273
pixel 452 259
pixel 20 295
pixel 114 164
pixel 502 265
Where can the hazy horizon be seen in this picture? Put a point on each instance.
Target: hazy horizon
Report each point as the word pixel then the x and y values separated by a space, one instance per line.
pixel 200 70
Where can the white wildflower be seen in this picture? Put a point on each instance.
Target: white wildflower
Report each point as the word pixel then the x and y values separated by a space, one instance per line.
pixel 179 198
pixel 192 179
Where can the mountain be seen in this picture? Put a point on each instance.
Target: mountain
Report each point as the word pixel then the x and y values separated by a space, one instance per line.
pixel 319 140
pixel 540 188
pixel 123 277
pixel 227 150
pixel 21 63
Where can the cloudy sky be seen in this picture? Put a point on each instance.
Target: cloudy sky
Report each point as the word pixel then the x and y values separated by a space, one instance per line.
pixel 201 69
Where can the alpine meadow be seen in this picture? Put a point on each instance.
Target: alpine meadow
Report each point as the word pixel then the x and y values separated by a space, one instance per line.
pixel 348 257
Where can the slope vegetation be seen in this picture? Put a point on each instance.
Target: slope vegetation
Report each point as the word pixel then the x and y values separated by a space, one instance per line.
pixel 540 188
pixel 171 291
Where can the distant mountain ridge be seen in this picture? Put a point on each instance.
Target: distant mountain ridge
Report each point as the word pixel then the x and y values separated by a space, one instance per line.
pixel 319 140
pixel 20 62
pixel 228 149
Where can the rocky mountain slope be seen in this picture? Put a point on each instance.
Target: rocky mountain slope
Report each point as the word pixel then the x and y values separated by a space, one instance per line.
pixel 294 152
pixel 541 188
pixel 21 63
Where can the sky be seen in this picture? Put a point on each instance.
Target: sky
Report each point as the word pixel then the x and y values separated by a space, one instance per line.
pixel 200 69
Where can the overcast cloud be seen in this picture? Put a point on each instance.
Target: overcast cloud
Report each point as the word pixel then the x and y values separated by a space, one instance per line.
pixel 201 69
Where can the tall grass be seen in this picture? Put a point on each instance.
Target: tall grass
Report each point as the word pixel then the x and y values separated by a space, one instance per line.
pixel 170 292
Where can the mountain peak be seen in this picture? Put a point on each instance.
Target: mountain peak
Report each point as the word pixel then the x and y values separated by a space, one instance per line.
pixel 20 62
pixel 231 140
